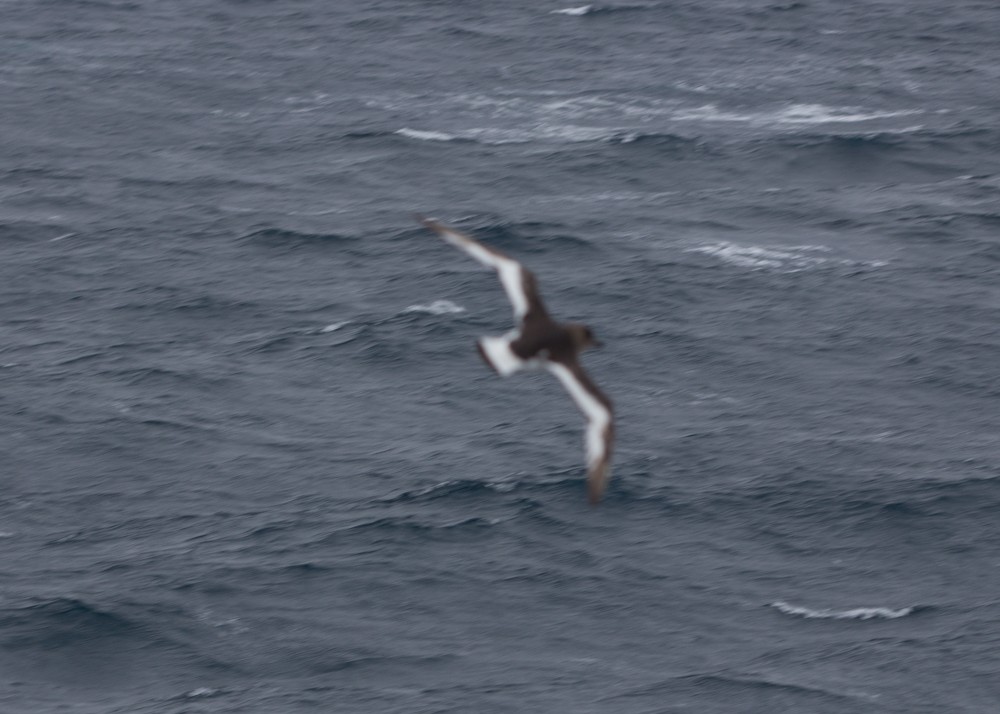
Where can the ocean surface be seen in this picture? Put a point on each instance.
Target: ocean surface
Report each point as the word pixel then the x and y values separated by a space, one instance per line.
pixel 251 462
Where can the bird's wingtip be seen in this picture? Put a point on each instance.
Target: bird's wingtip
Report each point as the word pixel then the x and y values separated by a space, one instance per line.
pixel 596 482
pixel 427 222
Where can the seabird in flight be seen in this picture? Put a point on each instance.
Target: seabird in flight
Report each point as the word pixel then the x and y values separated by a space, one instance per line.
pixel 538 341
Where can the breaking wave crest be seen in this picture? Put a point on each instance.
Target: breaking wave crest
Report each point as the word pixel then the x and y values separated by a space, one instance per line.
pixel 581 10
pixel 544 133
pixel 438 307
pixel 859 613
pixel 782 259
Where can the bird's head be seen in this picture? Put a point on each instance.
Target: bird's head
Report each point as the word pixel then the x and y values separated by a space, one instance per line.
pixel 583 336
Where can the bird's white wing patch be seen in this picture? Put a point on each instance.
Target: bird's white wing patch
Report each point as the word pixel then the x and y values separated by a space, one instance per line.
pixel 512 278
pixel 501 357
pixel 510 271
pixel 598 416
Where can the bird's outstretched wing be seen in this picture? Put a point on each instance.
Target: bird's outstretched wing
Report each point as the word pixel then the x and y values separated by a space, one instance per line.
pixel 518 282
pixel 600 434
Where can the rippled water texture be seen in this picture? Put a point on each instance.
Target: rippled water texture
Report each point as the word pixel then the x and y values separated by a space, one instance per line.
pixel 251 462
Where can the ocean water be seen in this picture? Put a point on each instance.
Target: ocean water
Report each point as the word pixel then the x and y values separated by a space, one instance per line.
pixel 251 462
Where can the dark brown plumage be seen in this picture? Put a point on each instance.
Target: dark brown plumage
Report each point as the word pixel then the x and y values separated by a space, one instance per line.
pixel 539 341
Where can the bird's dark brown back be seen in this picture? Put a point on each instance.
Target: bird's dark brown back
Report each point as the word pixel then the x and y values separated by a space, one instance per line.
pixel 541 334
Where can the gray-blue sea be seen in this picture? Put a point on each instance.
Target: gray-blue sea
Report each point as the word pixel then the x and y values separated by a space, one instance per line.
pixel 251 462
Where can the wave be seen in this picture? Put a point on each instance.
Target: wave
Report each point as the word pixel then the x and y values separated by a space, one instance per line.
pixel 60 621
pixel 542 133
pixel 612 107
pixel 28 231
pixel 699 687
pixel 378 528
pixel 202 693
pixel 754 686
pixel 611 118
pixel 438 307
pixel 832 135
pixel 426 135
pixel 925 498
pixel 445 489
pixel 165 299
pixel 860 613
pixel 565 482
pixel 411 525
pixel 759 257
pixel 285 237
pixel 581 10
pixel 769 133
pixel 784 6
pixel 79 643
pixel 164 375
pixel 791 115
pixel 914 136
pixel 789 259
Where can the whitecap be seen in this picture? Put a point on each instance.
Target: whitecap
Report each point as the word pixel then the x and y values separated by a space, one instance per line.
pixel 425 135
pixel 438 307
pixel 568 133
pixel 860 613
pixel 687 87
pixel 545 132
pixel 820 114
pixel 569 118
pixel 751 256
pixel 333 327
pixel 582 10
pixel 791 114
pixel 789 259
pixel 201 692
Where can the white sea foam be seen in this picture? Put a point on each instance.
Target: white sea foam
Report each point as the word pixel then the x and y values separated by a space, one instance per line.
pixel 322 212
pixel 792 114
pixel 630 196
pixel 540 132
pixel 560 133
pixel 333 327
pixel 425 135
pixel 860 613
pixel 786 258
pixel 503 119
pixel 202 692
pixel 751 256
pixel 438 307
pixel 582 10
pixel 820 114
